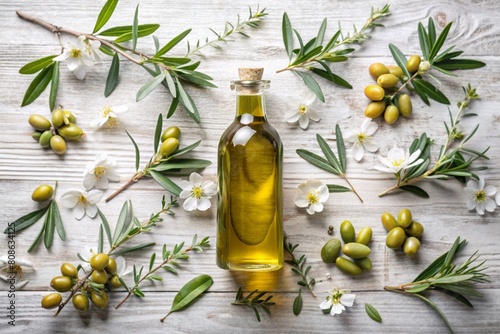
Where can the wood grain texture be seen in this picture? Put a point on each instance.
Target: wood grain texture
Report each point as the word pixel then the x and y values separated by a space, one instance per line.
pixel 24 165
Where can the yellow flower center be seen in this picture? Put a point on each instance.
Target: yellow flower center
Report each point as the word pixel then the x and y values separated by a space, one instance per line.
pixel 112 121
pixel 313 197
pixel 99 171
pixel 398 162
pixel 362 137
pixel 480 196
pixel 197 192
pixel 75 53
pixel 302 109
pixel 83 200
pixel 14 269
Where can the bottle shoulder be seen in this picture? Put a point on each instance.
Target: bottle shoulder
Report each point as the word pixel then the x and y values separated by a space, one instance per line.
pixel 240 133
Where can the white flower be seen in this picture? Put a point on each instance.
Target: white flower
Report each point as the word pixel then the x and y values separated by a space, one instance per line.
pixel 82 202
pixel 311 195
pixel 108 116
pixel 76 54
pixel 337 301
pixel 121 266
pixel 303 110
pixel 497 198
pixel 12 270
pixel 197 193
pixel 93 49
pixel 398 160
pixel 99 172
pixel 479 196
pixel 362 138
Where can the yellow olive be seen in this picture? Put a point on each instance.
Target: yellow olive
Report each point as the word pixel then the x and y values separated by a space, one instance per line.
pixel 171 132
pixel 70 117
pixel 42 193
pixel 81 302
pixel 364 236
pixel 61 283
pixel 404 218
pixel 330 250
pixel 356 250
pixel 99 261
pixel 395 70
pixel 169 146
pixel 58 144
pixel 391 114
pixel 364 263
pixel 70 131
pixel 45 137
pixel 111 267
pixel 115 282
pixel 348 266
pixel 347 231
pixel 415 229
pixel 39 122
pixel 413 63
pixel 58 117
pixel 52 300
pixel 411 246
pixel 387 80
pixel 68 269
pixel 99 276
pixel 99 300
pixel 377 69
pixel 374 92
pixel 395 238
pixel 375 109
pixel 36 135
pixel 388 221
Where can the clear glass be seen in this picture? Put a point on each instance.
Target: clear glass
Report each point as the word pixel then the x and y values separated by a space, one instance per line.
pixel 250 202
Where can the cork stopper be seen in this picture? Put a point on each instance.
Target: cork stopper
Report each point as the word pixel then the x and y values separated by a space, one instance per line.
pixel 250 80
pixel 247 73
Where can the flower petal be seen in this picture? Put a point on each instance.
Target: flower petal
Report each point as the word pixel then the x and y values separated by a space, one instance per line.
pixel 326 304
pixel 190 204
pixel 88 181
pixel 357 151
pixel 471 204
pixel 370 146
pixel 94 196
pixel 336 309
pixel 304 121
pixel 185 193
pixel 195 179
pixel 204 204
pixel 79 211
pixel 301 202
pixel 347 299
pixel 102 183
pixel 292 117
pixel 80 72
pixel 313 114
pixel 91 210
pixel 490 205
pixel 490 190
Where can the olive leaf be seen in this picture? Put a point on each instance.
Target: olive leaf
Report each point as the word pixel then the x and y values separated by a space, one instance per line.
pixel 105 14
pixel 54 86
pixel 189 292
pixel 125 32
pixel 172 43
pixel 113 74
pixel 38 85
pixel 297 303
pixel 135 28
pixel 37 65
pixel 255 301
pixel 158 131
pixel 372 313
pixel 166 183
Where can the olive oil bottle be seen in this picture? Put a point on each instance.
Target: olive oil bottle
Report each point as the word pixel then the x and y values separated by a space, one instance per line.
pixel 250 202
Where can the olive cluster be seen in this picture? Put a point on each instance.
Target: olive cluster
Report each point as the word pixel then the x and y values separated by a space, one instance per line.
pixel 169 141
pixel 391 106
pixel 355 247
pixel 102 278
pixel 402 232
pixel 55 133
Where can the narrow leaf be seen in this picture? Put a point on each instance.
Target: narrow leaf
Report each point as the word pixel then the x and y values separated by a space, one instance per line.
pixel 316 160
pixel 106 226
pixel 158 130
pixel 185 149
pixel 58 221
pixel 172 43
pixel 287 32
pixel 38 85
pixel 330 156
pixel 100 242
pixel 124 220
pixel 135 28
pixel 459 64
pixel 170 84
pixel 152 261
pixel 400 59
pixel 179 164
pixel 372 313
pixel 124 33
pixel 431 91
pixel 341 148
pixel 321 34
pixel 418 288
pixel 439 42
pixel 453 279
pixel 436 308
pixel 105 14
pixel 149 86
pixel 37 65
pixel 423 39
pixel 312 85
pixel 415 191
pixel 112 79
pixel 431 28
pixel 166 183
pixel 26 220
pixel 297 303
pixel 49 228
pixel 455 295
pixel 137 152
pixel 54 86
pixel 184 98
pixel 135 248
pixel 37 238
pixel 173 107
pixel 334 188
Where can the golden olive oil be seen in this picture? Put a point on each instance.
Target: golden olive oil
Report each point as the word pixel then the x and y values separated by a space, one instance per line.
pixel 250 208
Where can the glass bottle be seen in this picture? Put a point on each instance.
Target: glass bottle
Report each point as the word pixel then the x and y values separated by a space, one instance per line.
pixel 250 202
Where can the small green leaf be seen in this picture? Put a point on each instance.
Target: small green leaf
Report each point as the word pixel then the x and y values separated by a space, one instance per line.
pixel 189 292
pixel 184 98
pixel 334 188
pixel 172 43
pixel 137 152
pixel 124 33
pixel 312 85
pixel 400 59
pixel 439 42
pixel 415 191
pixel 286 29
pixel 152 261
pixel 436 308
pixel 171 84
pixel 431 91
pixel 182 164
pixel 423 39
pixel 100 242
pixel 106 12
pixel 297 303
pixel 185 149
pixel 135 28
pixel 37 238
pixel 38 85
pixel 158 131
pixel 58 221
pixel 459 64
pixel 453 279
pixel 54 86
pixel 431 28
pixel 329 75
pixel 321 34
pixel 26 220
pixel 149 86
pixel 124 220
pixel 166 183
pixel 49 228
pixel 418 288
pixel 372 313
pixel 341 149
pixel 112 79
pixel 37 65
pixel 173 107
pixel 330 156
pixel 316 160
pixel 132 249
pixel 106 226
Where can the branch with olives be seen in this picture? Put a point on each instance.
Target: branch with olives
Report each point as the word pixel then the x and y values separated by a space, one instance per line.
pixel 389 99
pixel 313 57
pixel 165 160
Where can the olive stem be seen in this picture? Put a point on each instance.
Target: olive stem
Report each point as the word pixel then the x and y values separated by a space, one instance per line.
pixel 352 188
pixel 74 290
pixel 137 176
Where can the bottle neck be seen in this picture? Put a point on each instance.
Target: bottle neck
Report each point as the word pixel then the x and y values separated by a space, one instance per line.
pixel 252 104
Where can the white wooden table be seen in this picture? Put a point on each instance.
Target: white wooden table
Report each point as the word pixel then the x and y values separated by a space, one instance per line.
pixel 24 165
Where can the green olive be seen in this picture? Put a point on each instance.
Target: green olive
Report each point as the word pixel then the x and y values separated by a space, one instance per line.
pixel 413 63
pixel 52 300
pixel 377 69
pixel 411 246
pixel 374 92
pixel 388 221
pixel 39 122
pixel 347 231
pixel 391 114
pixel 111 267
pixel 404 218
pixel 169 146
pixel 115 282
pixel 364 263
pixel 42 193
pixel 99 276
pixel 36 135
pixel 356 250
pixel 45 138
pixel 58 144
pixel 395 70
pixel 388 80
pixel 171 132
pixel 100 300
pixel 375 109
pixel 364 236
pixel 81 302
pixel 405 106
pixel 330 250
pixel 348 266
pixel 58 117
pixel 70 131
pixel 415 229
pixel 61 283
pixel 395 238
pixel 69 269
pixel 99 261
